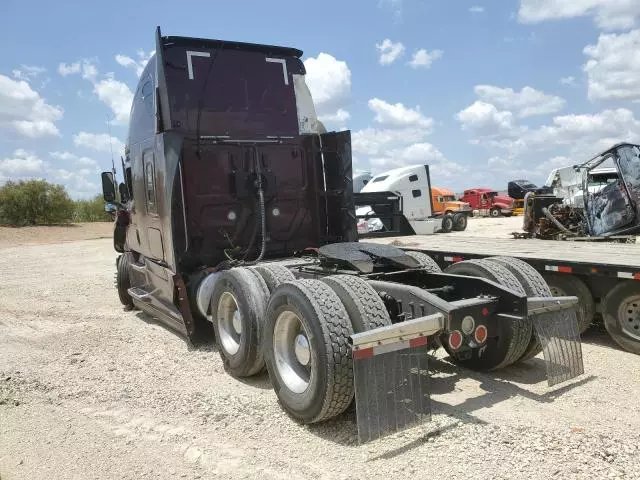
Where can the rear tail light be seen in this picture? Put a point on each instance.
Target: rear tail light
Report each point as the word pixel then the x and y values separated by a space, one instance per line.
pixel 455 340
pixel 481 334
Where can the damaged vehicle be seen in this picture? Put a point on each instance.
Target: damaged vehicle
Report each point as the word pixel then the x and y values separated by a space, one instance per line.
pixel 599 199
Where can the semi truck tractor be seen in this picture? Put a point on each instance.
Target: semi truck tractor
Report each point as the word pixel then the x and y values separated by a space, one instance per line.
pixel 237 225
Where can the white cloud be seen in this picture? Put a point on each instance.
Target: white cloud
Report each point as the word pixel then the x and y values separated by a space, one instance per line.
pixel 339 116
pixel 100 142
pixel 89 71
pixel 69 158
pixel 21 164
pixel 568 80
pixel 613 68
pixel 64 69
pixel 579 135
pixel 401 143
pixel 28 72
pixel 422 58
pixel 476 9
pixel 23 110
pixel 397 115
pixel 608 14
pixel 389 51
pixel 371 142
pixel 587 130
pixel 525 103
pixel 137 65
pixel 486 119
pixel 77 182
pixel 499 162
pixel 329 81
pixel 418 154
pixel 117 96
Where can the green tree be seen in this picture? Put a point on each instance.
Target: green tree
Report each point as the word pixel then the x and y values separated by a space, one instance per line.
pixel 90 210
pixel 34 202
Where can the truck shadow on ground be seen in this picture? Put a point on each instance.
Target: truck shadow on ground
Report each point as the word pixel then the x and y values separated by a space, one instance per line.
pixel 443 380
pixel 597 335
pixel 208 346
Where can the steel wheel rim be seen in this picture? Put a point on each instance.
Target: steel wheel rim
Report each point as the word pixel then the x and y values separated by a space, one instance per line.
pixel 229 323
pixel 292 352
pixel 629 316
pixel 557 292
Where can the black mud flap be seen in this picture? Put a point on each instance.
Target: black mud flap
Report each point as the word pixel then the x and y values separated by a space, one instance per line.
pixel 391 388
pixel 556 323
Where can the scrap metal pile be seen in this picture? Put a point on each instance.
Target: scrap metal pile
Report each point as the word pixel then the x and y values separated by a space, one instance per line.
pixel 551 220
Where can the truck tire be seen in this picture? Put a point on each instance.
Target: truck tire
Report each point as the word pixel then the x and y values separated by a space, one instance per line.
pixel 238 307
pixel 123 279
pixel 307 353
pixel 274 274
pixel 494 212
pixel 364 306
pixel 447 223
pixel 460 222
pixel 621 314
pixel 563 284
pixel 534 286
pixel 425 261
pixel 513 336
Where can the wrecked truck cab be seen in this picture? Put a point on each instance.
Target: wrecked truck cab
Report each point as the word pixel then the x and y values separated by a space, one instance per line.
pixel 241 229
pixel 599 198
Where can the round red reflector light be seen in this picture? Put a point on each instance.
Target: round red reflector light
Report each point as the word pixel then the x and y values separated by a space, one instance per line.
pixel 481 334
pixel 485 311
pixel 455 340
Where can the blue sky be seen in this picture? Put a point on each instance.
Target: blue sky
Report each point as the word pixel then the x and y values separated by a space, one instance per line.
pixel 483 91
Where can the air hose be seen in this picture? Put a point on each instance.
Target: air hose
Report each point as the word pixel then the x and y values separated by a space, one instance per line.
pixel 263 216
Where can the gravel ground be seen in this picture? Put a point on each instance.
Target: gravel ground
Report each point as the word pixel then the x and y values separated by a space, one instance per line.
pixel 89 391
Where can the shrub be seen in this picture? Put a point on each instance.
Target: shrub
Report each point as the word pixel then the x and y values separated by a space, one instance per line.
pixel 34 202
pixel 90 210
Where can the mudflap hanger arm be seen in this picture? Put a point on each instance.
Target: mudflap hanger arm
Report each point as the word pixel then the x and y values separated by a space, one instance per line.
pixel 390 363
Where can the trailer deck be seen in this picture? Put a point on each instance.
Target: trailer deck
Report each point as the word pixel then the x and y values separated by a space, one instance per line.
pixel 601 259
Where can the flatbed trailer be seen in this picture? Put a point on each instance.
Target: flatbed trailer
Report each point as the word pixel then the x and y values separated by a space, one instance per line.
pixel 604 276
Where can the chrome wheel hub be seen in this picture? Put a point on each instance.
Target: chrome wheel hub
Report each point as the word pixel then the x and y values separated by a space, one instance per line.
pixel 629 316
pixel 229 321
pixel 302 351
pixel 292 352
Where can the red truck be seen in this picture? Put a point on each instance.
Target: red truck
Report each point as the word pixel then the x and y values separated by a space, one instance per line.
pixel 486 200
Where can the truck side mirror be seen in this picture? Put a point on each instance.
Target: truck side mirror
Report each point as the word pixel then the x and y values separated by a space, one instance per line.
pixel 108 187
pixel 124 194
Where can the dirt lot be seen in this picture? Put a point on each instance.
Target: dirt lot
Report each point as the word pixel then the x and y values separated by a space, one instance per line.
pixel 89 391
pixel 54 234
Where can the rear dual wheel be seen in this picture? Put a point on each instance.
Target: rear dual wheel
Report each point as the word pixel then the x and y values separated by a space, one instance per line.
pixel 238 306
pixel 534 286
pixel 506 345
pixel 307 353
pixel 447 223
pixel 460 222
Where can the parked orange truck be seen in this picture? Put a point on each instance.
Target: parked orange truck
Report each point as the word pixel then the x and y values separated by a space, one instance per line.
pixel 444 201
